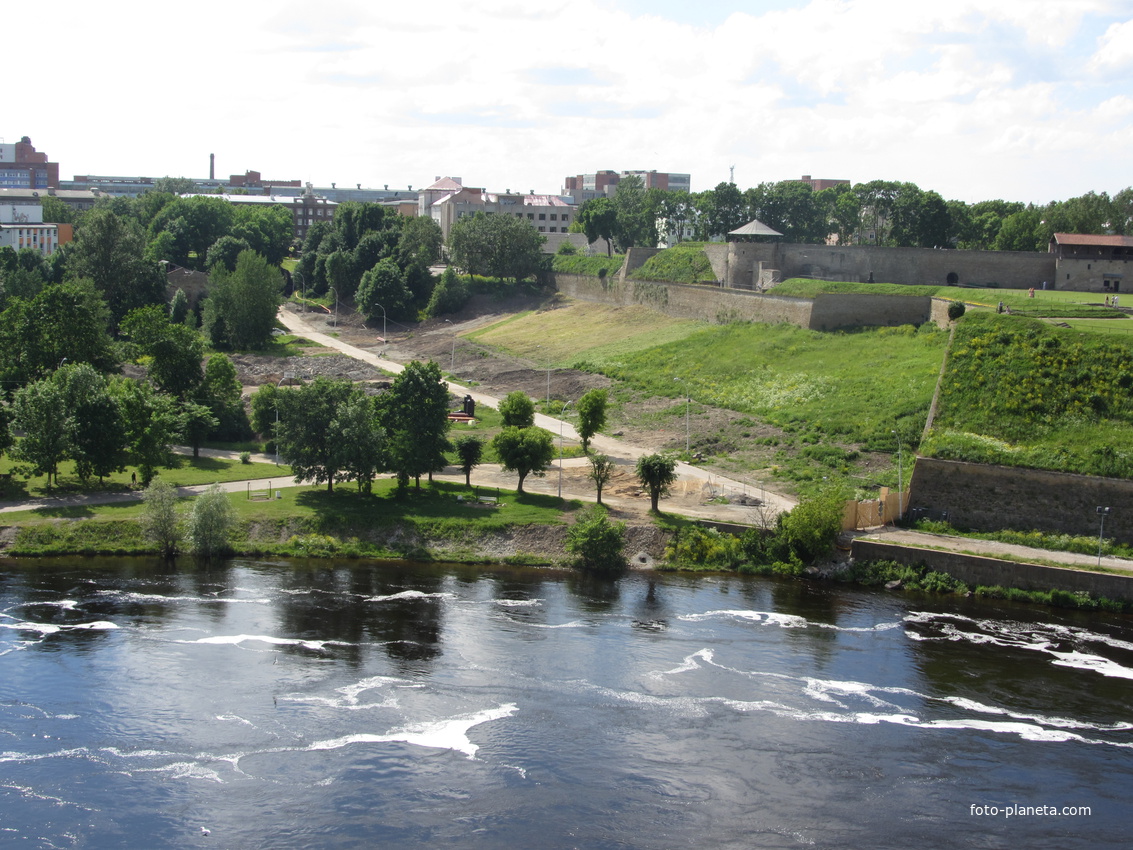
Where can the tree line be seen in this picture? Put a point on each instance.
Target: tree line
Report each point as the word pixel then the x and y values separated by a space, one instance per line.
pixel 879 212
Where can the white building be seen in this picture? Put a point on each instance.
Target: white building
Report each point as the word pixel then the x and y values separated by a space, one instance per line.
pixel 21 226
pixel 448 200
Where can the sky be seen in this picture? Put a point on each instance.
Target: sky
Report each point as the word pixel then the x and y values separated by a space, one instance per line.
pixel 1025 100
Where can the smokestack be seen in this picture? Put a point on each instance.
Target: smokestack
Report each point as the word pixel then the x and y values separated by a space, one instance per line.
pixel 212 166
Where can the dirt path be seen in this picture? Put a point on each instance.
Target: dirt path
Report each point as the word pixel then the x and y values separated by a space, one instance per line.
pixel 697 492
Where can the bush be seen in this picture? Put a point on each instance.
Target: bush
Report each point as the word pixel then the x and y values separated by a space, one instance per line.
pixel 245 457
pixel 955 310
pixel 159 518
pixel 210 522
pixel 597 543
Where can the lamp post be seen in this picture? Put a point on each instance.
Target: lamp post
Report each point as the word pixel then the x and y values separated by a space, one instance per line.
pixel 900 478
pixel 286 377
pixel 335 291
pixel 452 358
pixel 1103 513
pixel 548 384
pixel 385 338
pixel 562 415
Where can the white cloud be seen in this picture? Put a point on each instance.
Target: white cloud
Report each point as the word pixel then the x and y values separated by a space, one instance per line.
pixel 969 98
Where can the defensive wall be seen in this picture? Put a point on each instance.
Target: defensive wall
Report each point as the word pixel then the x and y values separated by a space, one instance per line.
pixel 987 497
pixel 714 304
pixel 743 262
pixel 977 570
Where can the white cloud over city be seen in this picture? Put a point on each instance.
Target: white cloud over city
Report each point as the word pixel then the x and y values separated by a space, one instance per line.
pixel 1022 99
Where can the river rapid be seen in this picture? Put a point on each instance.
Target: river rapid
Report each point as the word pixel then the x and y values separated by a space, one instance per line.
pixel 356 704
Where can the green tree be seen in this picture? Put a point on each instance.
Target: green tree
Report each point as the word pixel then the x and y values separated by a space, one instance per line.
pixel 96 437
pixel 635 224
pixel 420 241
pixel 241 307
pixel 597 543
pixel 721 210
pixel 152 423
pixel 600 472
pixel 160 523
pixel 497 246
pixel 174 350
pixel 449 295
pixel 5 427
pixel 383 287
pixel 414 414
pixel 656 473
pixel 469 451
pixel 517 410
pixel 210 522
pixel 267 230
pixel 524 451
pixel 197 422
pixel 40 411
pixel 306 437
pixel 224 251
pixel 591 415
pixel 264 410
pixel 179 307
pixel 598 218
pixel 111 252
pixel 809 530
pixel 363 440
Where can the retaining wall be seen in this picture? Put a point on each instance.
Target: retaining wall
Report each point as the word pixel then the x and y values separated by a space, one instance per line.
pixel 986 497
pixel 975 570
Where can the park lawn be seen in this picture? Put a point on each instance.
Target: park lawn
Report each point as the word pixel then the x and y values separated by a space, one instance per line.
pixel 307 521
pixel 185 472
pixel 582 332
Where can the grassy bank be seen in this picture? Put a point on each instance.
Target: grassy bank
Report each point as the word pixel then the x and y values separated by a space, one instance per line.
pixel 308 522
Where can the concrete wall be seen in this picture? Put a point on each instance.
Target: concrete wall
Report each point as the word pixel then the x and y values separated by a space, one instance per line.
pixel 975 570
pixel 1009 269
pixel 986 497
pixel 636 258
pixel 1092 274
pixel 832 312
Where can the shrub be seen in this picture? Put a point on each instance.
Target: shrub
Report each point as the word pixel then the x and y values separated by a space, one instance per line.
pixel 245 457
pixel 159 518
pixel 597 543
pixel 210 522
pixel 955 310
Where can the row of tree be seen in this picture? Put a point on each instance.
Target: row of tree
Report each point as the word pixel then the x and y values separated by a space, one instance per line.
pixel 880 212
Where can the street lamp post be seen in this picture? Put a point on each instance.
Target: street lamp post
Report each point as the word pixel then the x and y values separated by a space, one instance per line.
pixel 562 415
pixel 1103 513
pixel 385 338
pixel 286 377
pixel 900 478
pixel 452 358
pixel 335 291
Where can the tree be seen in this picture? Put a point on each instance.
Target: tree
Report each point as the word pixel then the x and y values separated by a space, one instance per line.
pixel 363 440
pixel 197 422
pixel 421 241
pixel 721 210
pixel 174 350
pixel 635 225
pixel 5 427
pixel 591 415
pixel 517 410
pixel 656 472
pixel 601 469
pixel 221 391
pixel 96 437
pixel 111 252
pixel 383 289
pixel 210 523
pixel 151 422
pixel 179 307
pixel 597 543
pixel 40 411
pixel 524 451
pixel 414 414
pixel 469 451
pixel 497 246
pixel 160 524
pixel 241 307
pixel 224 252
pixel 598 218
pixel 449 295
pixel 306 438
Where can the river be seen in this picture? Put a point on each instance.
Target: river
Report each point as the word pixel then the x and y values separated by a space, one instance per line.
pixel 287 705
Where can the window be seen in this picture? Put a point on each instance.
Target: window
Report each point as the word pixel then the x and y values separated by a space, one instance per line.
pixel 541 229
pixel 542 216
pixel 531 216
pixel 554 217
pixel 566 217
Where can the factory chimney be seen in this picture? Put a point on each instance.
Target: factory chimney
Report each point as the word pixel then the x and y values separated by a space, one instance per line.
pixel 212 166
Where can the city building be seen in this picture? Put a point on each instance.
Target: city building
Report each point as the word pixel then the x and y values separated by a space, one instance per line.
pixel 21 226
pixel 603 184
pixel 820 183
pixel 74 198
pixel 22 167
pixel 448 200
pixel 306 209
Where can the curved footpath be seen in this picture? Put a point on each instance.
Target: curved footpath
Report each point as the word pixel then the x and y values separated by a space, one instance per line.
pixel 691 479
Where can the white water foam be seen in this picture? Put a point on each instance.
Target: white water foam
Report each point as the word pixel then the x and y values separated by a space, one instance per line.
pixel 237 640
pixel 518 603
pixel 450 734
pixel 784 621
pixel 1048 638
pixel 410 594
pixel 132 596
